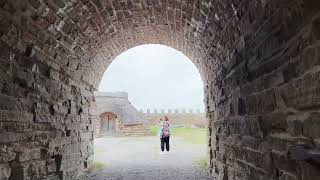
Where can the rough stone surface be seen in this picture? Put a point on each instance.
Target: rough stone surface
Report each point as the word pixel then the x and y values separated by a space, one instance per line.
pixel 258 59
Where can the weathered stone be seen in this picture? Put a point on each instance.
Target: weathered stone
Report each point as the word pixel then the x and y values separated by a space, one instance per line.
pixel 35 3
pixel 273 123
pixel 311 126
pixel 302 93
pixel 261 103
pixel 259 62
pixel 310 172
pixel 29 154
pixel 5 171
pixel 6 154
pixel 287 176
pixel 287 165
pixel 54 74
pixel 295 127
pixel 28 170
pixel 16 116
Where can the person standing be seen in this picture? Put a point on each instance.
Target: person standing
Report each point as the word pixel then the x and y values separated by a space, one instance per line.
pixel 165 135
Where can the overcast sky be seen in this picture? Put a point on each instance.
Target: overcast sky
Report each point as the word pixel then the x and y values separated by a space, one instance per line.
pixel 155 76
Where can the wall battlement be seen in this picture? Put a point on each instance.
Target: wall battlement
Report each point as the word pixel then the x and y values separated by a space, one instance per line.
pixel 187 120
pixel 171 111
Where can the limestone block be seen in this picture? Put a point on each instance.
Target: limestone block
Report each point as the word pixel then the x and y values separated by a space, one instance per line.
pixel 261 103
pixel 12 104
pixel 295 126
pixel 54 74
pixel 6 137
pixel 26 170
pixel 302 93
pixel 273 123
pixel 35 3
pixel 15 116
pixel 5 171
pixel 6 153
pixel 311 126
pixel 29 154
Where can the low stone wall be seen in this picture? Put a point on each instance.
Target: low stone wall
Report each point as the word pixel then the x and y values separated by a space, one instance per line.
pixel 183 119
pixel 132 130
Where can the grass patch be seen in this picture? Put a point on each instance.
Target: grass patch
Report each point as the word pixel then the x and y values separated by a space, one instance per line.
pixel 98 151
pixel 190 135
pixel 153 130
pixel 201 163
pixel 96 166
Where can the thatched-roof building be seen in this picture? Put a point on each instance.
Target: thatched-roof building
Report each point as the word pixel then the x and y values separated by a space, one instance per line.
pixel 118 116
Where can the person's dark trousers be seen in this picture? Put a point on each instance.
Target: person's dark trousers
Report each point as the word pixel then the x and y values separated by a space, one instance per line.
pixel 165 140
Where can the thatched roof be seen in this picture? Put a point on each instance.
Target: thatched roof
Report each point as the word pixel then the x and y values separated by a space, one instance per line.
pixel 118 103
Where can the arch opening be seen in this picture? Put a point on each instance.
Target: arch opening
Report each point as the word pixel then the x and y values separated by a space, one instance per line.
pixel 155 77
pixel 166 83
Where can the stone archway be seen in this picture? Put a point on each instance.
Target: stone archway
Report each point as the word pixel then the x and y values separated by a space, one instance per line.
pixel 258 61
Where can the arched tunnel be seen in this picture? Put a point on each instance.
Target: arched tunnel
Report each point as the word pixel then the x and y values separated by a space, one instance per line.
pixel 259 61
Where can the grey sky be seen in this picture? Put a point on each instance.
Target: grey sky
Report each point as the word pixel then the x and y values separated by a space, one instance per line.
pixel 155 76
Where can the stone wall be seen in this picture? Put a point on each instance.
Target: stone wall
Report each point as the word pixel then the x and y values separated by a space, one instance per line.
pixel 265 96
pixel 258 59
pixel 172 111
pixel 46 128
pixel 131 130
pixel 46 114
pixel 181 119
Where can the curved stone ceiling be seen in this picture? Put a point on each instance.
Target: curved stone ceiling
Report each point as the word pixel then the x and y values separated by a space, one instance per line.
pixel 86 35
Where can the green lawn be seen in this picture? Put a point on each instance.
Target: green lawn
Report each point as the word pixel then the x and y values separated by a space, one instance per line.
pixel 153 130
pixel 190 135
pixel 96 166
pixel 98 151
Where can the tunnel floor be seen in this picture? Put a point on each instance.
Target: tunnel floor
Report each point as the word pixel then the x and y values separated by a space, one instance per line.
pixel 139 158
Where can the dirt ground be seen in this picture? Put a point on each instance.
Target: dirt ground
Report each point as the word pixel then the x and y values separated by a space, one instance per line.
pixel 139 158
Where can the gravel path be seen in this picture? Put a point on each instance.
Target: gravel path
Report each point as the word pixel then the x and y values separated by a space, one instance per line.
pixel 139 158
